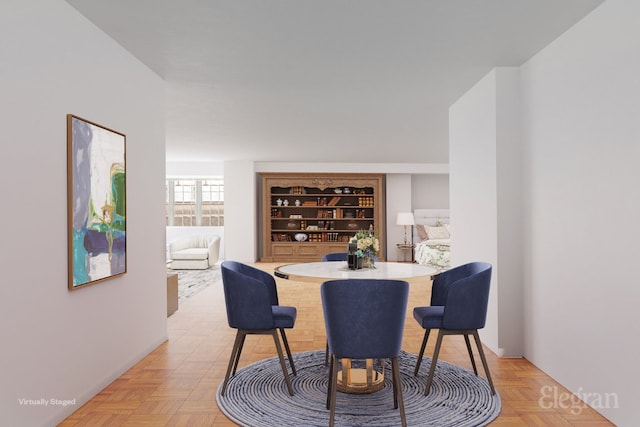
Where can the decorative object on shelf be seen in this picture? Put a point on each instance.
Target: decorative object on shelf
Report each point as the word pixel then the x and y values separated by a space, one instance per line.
pixel 301 237
pixel 322 182
pixel 297 203
pixel 347 190
pixel 337 190
pixel 367 246
pixel 404 219
pixel 279 202
pixel 286 202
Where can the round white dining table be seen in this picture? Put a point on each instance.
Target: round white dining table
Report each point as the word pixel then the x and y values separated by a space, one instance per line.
pixel 354 380
pixel 330 270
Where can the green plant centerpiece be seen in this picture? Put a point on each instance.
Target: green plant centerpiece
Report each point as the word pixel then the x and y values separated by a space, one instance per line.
pixel 367 246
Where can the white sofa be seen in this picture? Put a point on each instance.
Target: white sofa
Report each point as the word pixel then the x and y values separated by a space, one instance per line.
pixel 195 252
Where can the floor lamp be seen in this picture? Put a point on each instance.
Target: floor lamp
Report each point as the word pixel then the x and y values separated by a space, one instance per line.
pixel 405 219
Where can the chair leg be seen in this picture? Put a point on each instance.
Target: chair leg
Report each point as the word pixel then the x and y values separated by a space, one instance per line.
pixel 484 360
pixel 473 360
pixel 286 346
pixel 240 346
pixel 434 361
pixel 397 387
pixel 274 334
pixel 326 354
pixel 330 385
pixel 233 359
pixel 421 354
pixel 334 382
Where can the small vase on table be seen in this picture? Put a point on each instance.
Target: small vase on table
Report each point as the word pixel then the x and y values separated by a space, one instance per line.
pixel 368 262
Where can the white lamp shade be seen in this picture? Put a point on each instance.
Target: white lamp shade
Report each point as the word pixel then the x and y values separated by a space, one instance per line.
pixel 405 218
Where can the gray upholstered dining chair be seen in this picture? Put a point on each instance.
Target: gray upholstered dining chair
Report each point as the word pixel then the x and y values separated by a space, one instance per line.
pixel 364 319
pixel 251 299
pixel 459 300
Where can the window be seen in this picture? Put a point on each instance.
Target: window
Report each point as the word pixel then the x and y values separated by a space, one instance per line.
pixel 195 202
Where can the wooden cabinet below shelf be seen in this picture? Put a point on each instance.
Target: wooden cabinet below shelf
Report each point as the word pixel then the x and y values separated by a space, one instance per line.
pixel 302 251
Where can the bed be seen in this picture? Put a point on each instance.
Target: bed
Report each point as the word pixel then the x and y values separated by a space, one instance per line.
pixel 431 235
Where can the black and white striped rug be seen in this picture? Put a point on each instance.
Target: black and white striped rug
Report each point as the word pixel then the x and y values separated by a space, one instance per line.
pixel 257 397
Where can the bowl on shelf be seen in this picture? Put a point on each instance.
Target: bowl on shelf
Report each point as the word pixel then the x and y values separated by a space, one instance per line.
pixel 300 237
pixel 337 190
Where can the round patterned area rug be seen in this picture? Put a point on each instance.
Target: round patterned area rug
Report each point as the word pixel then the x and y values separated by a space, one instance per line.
pixel 257 396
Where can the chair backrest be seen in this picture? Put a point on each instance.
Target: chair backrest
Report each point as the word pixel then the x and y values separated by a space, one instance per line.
pixel 249 294
pixel 364 318
pixel 335 256
pixel 464 293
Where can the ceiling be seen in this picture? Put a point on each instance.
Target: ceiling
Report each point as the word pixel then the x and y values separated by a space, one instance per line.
pixel 365 81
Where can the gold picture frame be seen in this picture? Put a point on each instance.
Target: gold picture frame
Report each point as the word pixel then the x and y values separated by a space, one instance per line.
pixel 96 197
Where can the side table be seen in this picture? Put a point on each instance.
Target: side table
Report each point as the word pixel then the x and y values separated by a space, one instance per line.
pixel 406 247
pixel 172 293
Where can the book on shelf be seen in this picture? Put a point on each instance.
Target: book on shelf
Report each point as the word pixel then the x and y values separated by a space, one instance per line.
pixel 280 237
pixel 334 201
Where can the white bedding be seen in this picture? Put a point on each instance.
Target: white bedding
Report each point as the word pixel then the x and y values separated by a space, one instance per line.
pixel 434 253
pixel 436 242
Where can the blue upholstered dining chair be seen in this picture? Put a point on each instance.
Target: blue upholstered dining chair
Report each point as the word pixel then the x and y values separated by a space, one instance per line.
pixel 459 300
pixel 332 256
pixel 339 256
pixel 335 256
pixel 364 319
pixel 251 299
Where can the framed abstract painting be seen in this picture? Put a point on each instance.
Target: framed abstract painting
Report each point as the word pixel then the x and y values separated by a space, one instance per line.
pixel 96 198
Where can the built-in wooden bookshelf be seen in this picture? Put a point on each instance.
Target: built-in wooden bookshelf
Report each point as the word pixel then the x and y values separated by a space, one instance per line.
pixel 326 208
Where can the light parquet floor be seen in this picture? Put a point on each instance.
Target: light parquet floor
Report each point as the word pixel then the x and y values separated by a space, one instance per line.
pixel 175 384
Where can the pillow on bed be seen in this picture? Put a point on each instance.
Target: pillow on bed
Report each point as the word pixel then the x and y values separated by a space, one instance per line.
pixel 437 232
pixel 422 232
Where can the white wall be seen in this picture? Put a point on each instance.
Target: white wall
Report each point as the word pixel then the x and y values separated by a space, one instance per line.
pixel 581 99
pixel 430 191
pixel 240 208
pixel 177 169
pixel 56 343
pixel 398 200
pixel 473 191
pixel 486 207
pixel 574 109
pixel 509 188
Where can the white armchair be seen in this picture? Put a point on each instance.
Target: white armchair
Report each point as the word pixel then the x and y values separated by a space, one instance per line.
pixel 194 252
